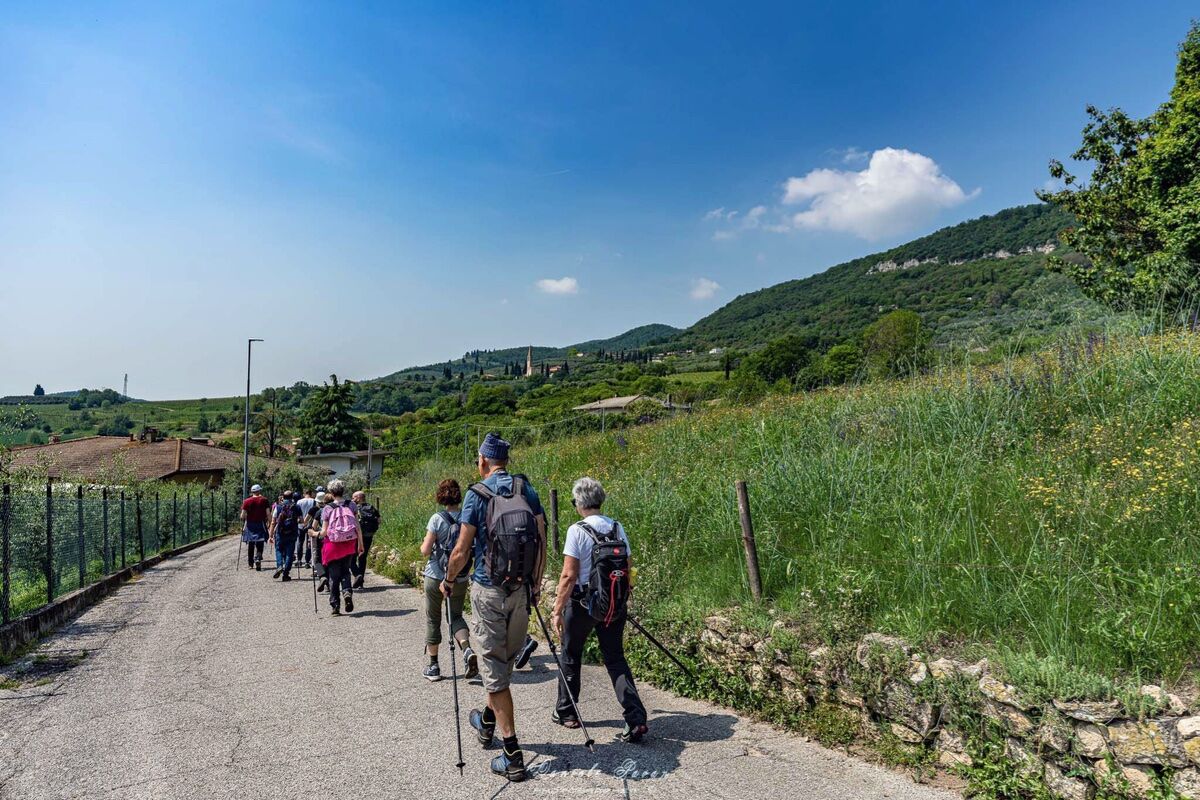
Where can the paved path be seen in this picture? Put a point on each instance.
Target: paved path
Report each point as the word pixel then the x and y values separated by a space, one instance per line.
pixel 200 681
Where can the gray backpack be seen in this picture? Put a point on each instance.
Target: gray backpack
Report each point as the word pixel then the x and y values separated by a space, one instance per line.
pixel 513 542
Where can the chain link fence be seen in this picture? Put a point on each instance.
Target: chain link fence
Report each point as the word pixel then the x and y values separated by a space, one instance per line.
pixel 55 539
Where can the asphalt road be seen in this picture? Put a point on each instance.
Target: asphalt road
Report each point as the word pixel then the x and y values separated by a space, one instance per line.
pixel 200 681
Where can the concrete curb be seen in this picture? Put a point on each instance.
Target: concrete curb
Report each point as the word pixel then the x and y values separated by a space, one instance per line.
pixel 29 628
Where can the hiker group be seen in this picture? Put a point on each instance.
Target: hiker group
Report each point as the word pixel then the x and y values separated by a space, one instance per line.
pixel 317 529
pixel 488 543
pixel 494 539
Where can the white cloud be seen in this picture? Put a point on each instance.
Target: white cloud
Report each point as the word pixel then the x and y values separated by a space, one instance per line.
pixel 566 285
pixel 704 288
pixel 897 191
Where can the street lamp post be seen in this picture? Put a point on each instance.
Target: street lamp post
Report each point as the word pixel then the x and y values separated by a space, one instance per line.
pixel 246 437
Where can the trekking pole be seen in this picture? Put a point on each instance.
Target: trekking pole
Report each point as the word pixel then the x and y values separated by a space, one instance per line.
pixel 239 561
pixel 562 676
pixel 660 646
pixel 314 584
pixel 454 675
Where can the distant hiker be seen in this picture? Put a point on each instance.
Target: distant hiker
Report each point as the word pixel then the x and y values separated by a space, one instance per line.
pixel 368 520
pixel 441 534
pixel 305 505
pixel 592 595
pixel 503 524
pixel 314 535
pixel 343 541
pixel 254 531
pixel 285 528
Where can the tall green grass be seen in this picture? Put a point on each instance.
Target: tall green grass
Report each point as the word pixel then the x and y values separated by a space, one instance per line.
pixel 1040 509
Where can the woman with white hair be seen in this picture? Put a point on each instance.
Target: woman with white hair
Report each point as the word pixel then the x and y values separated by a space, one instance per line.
pixel 592 593
pixel 343 541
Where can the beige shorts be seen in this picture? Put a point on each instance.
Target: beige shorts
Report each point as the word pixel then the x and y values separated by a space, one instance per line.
pixel 499 622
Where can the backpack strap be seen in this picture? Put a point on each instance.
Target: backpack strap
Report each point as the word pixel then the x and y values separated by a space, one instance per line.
pixel 518 485
pixel 482 490
pixel 448 518
pixel 614 534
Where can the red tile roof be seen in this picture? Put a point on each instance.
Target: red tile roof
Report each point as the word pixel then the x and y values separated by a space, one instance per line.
pixel 99 457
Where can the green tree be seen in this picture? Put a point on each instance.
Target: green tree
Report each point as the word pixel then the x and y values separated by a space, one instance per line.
pixel 782 358
pixel 1138 216
pixel 896 344
pixel 38 391
pixel 490 400
pixel 841 363
pixel 326 422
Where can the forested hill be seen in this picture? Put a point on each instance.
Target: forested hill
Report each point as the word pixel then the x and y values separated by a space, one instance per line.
pixel 472 362
pixel 980 279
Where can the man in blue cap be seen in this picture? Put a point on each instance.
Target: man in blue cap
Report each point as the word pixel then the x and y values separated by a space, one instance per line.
pixel 503 523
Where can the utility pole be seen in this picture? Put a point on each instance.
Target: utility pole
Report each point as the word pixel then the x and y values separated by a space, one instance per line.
pixel 125 389
pixel 246 437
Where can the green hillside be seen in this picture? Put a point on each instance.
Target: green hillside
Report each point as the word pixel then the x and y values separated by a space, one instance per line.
pixel 971 282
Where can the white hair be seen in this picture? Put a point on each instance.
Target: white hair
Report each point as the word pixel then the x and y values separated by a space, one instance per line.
pixel 588 493
pixel 336 488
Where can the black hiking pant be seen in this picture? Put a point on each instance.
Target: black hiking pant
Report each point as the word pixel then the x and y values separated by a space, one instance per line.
pixel 339 579
pixel 359 565
pixel 577 624
pixel 254 551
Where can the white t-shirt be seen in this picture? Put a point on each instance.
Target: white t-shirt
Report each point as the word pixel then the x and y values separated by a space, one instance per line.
pixel 579 543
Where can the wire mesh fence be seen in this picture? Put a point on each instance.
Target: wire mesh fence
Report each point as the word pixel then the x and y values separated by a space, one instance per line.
pixel 55 539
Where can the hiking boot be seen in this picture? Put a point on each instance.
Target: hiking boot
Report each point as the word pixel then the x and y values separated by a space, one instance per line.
pixel 337 612
pixel 348 600
pixel 278 572
pixel 287 576
pixel 483 731
pixel 323 585
pixel 633 733
pixel 432 672
pixel 511 766
pixel 564 720
pixel 258 565
pixel 358 582
pixel 526 652
pixel 470 664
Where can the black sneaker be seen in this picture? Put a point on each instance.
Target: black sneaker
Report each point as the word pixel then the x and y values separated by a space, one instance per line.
pixel 470 664
pixel 358 582
pixel 633 733
pixel 565 721
pixel 258 566
pixel 432 673
pixel 337 612
pixel 287 576
pixel 483 731
pixel 511 766
pixel 527 649
pixel 278 572
pixel 348 600
pixel 323 585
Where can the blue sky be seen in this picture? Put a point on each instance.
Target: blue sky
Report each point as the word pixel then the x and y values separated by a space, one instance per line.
pixel 373 185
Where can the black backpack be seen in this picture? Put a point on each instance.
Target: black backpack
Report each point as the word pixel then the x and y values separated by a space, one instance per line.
pixel 513 542
pixel 368 518
pixel 287 516
pixel 441 552
pixel 607 589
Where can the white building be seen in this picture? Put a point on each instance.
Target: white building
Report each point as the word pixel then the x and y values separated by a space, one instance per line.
pixel 340 463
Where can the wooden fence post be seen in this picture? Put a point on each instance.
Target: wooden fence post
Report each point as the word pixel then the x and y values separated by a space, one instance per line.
pixel 158 538
pixel 141 530
pixel 554 515
pixel 174 518
pixel 748 543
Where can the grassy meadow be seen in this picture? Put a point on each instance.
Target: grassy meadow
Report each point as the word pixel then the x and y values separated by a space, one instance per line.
pixel 1040 512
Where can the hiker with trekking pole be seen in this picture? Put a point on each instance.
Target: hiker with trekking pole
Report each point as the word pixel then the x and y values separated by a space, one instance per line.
pixel 254 528
pixel 593 591
pixel 441 534
pixel 504 526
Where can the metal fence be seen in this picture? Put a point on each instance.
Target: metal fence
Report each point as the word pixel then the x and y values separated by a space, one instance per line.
pixel 55 539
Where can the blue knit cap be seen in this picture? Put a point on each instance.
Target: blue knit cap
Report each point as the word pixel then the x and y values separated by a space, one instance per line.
pixel 494 448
